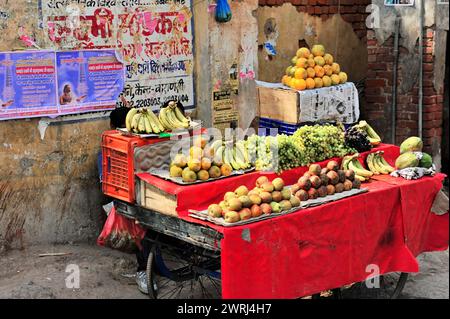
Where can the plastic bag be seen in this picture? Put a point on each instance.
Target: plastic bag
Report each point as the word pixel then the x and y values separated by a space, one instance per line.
pixel 121 233
pixel 223 11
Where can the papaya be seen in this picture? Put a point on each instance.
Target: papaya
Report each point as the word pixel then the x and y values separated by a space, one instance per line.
pixel 411 144
pixel 408 159
pixel 426 161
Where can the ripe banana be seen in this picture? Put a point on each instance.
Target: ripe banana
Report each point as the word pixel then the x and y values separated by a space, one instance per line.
pixel 179 115
pixel 386 164
pixel 153 125
pixel 240 148
pixel 371 164
pixel 131 113
pixel 379 166
pixel 163 119
pixel 239 158
pixel 360 178
pixel 156 121
pixel 215 145
pixel 219 154
pixel 173 119
pixel 372 136
pixel 355 166
pixel 135 122
pixel 141 124
pixel 148 126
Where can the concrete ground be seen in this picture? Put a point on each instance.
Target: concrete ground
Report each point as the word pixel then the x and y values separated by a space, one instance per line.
pixel 104 273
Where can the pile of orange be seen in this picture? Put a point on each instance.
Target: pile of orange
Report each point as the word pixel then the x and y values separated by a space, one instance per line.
pixel 313 69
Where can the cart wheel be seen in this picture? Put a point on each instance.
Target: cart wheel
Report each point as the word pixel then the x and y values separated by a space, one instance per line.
pixel 171 276
pixel 393 284
pixel 150 271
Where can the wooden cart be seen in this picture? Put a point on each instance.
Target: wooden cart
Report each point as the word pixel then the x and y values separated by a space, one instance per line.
pixel 184 259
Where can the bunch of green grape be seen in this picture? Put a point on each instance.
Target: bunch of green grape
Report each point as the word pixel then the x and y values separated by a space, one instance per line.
pixel 320 142
pixel 289 154
pixel 259 151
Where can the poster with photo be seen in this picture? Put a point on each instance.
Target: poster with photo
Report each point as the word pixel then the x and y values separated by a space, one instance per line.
pixel 27 84
pixel 88 80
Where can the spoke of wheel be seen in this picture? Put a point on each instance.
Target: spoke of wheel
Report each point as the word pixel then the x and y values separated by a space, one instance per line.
pixel 179 292
pixel 216 286
pixel 170 292
pixel 166 281
pixel 206 294
pixel 175 292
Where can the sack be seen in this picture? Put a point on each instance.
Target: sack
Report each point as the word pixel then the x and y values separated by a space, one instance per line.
pixel 121 233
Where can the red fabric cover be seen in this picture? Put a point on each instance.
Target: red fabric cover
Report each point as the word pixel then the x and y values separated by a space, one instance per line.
pixel 322 247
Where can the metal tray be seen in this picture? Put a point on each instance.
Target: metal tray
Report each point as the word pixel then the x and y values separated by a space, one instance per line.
pixel 203 215
pixel 165 174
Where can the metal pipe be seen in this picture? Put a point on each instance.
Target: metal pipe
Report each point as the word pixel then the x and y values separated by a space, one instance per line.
pixel 394 81
pixel 420 115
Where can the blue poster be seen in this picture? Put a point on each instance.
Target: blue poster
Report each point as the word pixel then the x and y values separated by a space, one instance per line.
pixel 27 84
pixel 88 80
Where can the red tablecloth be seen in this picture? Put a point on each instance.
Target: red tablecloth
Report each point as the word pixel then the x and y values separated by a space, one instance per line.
pixel 322 247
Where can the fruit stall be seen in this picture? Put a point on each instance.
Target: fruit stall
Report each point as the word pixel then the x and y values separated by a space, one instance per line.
pixel 274 216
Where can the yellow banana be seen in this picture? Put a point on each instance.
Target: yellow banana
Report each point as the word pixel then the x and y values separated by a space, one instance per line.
pixel 179 115
pixel 155 120
pixel 151 120
pixel 355 166
pixel 239 158
pixel 380 167
pixel 371 164
pixel 386 164
pixel 131 113
pixel 135 122
pixel 148 126
pixel 163 119
pixel 173 118
pixel 360 178
pixel 141 124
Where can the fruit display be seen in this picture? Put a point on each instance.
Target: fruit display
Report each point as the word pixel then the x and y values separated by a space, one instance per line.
pixel 200 164
pixel 313 68
pixel 273 153
pixel 321 142
pixel 143 121
pixel 357 138
pixel 377 164
pixel 411 154
pixel 266 198
pixel 372 136
pixel 172 118
pixel 352 163
pixel 321 182
pixel 411 144
pixel 232 154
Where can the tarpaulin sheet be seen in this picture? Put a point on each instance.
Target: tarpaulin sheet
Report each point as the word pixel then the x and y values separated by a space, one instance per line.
pixel 323 247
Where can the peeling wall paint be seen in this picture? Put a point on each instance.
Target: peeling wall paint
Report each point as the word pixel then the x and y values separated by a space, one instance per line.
pixel 292 29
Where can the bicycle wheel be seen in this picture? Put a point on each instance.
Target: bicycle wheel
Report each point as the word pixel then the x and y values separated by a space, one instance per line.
pixel 180 273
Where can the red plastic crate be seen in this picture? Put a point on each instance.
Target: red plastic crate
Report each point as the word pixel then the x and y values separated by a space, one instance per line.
pixel 118 179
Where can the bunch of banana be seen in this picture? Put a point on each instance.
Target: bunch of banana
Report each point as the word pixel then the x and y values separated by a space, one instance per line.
pixel 352 162
pixel 372 136
pixel 172 118
pixel 143 121
pixel 234 155
pixel 378 164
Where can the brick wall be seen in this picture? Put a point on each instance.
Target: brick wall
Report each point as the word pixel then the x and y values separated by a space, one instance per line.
pixel 378 94
pixel 352 11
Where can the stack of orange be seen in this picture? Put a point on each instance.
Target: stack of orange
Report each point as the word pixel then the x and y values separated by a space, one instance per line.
pixel 313 69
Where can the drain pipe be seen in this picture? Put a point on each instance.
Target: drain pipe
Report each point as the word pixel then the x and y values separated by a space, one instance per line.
pixel 394 81
pixel 420 117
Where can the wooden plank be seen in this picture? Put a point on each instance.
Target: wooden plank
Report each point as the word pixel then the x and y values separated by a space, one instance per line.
pixel 278 104
pixel 160 201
